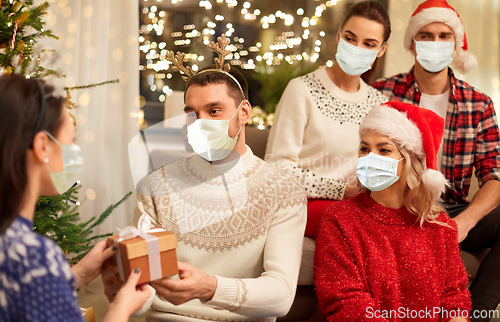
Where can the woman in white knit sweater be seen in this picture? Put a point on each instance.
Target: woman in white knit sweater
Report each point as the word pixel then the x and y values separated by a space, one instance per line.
pixel 315 131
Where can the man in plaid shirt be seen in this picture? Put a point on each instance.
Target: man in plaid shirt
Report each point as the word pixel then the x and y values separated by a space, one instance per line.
pixel 471 136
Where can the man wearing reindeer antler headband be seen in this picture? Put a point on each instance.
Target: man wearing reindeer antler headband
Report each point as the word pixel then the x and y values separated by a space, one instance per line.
pixel 239 220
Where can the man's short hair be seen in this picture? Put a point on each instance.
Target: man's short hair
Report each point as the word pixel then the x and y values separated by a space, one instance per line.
pixel 217 78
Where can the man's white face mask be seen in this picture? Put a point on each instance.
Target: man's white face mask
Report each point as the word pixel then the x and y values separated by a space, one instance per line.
pixel 434 56
pixel 210 138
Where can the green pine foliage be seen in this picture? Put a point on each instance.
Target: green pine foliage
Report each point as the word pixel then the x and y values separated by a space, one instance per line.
pixel 58 219
pixel 273 80
pixel 30 28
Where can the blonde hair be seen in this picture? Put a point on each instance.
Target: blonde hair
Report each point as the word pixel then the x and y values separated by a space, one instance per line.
pixel 417 198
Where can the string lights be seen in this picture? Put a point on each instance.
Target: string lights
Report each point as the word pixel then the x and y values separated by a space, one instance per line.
pixel 244 55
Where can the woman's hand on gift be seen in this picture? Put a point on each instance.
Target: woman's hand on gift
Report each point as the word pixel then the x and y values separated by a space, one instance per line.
pixel 111 281
pixel 129 299
pixel 193 283
pixel 89 267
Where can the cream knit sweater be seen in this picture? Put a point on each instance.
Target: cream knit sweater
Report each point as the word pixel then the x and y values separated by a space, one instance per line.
pixel 243 222
pixel 315 132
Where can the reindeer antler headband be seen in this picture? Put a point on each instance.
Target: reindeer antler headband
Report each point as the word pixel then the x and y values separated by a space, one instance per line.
pixel 177 61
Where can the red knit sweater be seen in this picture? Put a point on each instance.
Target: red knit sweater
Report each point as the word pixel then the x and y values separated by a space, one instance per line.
pixel 374 263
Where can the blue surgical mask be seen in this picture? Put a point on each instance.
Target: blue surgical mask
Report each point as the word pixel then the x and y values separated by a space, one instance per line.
pixel 434 56
pixel 354 60
pixel 73 160
pixel 376 172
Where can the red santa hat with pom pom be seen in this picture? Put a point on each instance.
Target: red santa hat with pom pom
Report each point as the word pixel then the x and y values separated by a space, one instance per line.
pixel 432 11
pixel 417 129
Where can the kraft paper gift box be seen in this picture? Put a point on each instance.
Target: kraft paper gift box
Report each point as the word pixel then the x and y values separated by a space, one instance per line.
pixel 87 314
pixel 156 256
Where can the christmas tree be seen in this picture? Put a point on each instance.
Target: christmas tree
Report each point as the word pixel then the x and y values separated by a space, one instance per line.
pixel 56 218
pixel 21 26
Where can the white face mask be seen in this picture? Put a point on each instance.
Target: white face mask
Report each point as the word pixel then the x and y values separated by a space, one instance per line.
pixel 354 60
pixel 377 172
pixel 434 56
pixel 210 138
pixel 73 160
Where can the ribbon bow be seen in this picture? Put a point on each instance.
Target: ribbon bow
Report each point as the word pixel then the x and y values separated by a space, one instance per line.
pixel 144 226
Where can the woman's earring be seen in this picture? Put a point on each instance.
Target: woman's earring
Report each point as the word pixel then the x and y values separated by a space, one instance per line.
pixel 46 160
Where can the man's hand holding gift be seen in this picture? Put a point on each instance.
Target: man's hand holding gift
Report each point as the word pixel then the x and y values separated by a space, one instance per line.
pixel 193 283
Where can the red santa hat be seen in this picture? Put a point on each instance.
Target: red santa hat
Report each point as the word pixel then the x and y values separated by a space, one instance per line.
pixel 417 129
pixel 431 11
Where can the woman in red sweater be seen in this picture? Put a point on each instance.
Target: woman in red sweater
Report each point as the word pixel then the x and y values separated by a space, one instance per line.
pixel 391 253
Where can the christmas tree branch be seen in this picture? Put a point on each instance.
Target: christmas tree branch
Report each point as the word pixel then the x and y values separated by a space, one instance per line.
pixel 108 211
pixel 99 236
pixel 91 85
pixel 56 219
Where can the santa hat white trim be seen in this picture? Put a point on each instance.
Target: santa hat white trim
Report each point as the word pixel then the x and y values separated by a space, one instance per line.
pixel 463 60
pixel 387 120
pixel 394 124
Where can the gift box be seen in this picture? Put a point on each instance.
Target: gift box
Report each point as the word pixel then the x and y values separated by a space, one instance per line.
pixel 87 314
pixel 151 250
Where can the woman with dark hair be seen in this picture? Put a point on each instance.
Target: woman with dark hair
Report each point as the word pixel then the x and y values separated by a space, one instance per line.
pixel 314 132
pixel 391 253
pixel 38 158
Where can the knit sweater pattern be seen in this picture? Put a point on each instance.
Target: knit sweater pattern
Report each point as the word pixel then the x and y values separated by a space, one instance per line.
pixel 36 282
pixel 373 262
pixel 315 132
pixel 241 221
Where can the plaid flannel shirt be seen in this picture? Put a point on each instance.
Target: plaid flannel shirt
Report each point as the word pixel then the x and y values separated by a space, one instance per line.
pixel 471 135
